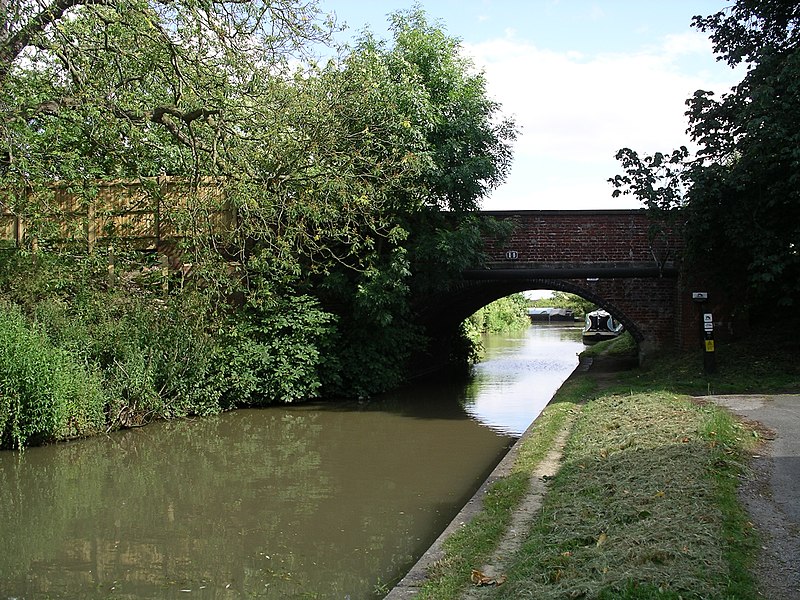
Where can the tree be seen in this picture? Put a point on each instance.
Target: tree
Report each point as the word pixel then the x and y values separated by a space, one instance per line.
pixel 467 146
pixel 579 306
pixel 166 81
pixel 740 195
pixel 504 315
pixel 438 145
pixel 339 174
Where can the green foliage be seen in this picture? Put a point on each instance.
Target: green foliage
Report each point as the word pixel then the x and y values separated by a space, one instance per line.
pixel 153 357
pixel 503 315
pixel 469 151
pixel 131 88
pixel 158 360
pixel 469 348
pixel 46 393
pixel 276 352
pixel 739 196
pixel 339 184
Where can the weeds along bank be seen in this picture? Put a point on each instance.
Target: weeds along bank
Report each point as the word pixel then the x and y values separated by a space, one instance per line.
pixel 82 353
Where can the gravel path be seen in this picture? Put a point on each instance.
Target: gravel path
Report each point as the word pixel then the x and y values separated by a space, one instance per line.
pixel 771 494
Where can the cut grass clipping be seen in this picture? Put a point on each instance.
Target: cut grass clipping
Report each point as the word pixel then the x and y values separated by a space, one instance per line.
pixel 473 544
pixel 643 507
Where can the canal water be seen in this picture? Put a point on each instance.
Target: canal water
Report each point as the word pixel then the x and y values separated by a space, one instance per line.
pixel 322 501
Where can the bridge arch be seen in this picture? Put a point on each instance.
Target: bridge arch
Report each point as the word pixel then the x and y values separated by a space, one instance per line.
pixel 609 257
pixel 469 296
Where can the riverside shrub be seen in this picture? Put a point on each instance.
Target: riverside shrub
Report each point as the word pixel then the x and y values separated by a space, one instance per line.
pixel 277 352
pixel 45 392
pixel 157 358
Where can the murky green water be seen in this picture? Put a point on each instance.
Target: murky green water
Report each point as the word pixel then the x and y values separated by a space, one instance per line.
pixel 306 502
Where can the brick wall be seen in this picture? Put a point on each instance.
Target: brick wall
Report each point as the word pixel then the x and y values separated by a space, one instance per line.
pixel 578 236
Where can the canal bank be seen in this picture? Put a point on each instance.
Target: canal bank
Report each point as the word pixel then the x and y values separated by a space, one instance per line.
pixel 674 467
pixel 410 585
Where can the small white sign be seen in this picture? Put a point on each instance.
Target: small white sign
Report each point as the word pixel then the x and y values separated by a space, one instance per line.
pixel 708 318
pixel 512 254
pixel 708 326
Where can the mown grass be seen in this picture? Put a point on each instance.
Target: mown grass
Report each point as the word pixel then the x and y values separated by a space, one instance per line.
pixel 764 362
pixel 645 505
pixel 474 543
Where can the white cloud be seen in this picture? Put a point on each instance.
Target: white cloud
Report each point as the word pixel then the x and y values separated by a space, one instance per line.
pixel 687 43
pixel 576 111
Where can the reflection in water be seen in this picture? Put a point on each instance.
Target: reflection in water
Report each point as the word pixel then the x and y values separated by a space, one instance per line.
pixel 308 501
pixel 521 374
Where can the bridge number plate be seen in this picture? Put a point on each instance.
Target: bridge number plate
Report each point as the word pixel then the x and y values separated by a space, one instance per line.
pixel 512 254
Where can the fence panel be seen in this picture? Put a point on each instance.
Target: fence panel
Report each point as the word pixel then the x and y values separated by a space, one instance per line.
pixel 140 214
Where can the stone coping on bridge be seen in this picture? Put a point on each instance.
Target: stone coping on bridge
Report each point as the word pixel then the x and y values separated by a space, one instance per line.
pixel 505 270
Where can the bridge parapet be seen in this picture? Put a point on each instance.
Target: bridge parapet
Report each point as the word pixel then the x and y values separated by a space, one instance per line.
pixel 588 237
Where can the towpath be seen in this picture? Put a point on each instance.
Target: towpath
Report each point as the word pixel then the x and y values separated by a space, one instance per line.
pixel 771 492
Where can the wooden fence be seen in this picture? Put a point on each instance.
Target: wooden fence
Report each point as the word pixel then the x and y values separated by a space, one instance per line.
pixel 140 214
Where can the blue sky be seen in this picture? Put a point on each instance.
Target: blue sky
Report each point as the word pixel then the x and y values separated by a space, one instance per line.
pixel 582 79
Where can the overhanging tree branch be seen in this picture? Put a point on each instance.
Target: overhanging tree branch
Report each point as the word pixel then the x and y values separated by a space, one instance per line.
pixel 12 45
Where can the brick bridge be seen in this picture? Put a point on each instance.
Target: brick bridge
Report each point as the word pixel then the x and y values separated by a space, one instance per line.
pixel 610 257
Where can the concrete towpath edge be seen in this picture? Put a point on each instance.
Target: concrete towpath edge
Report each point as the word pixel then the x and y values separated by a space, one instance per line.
pixel 409 586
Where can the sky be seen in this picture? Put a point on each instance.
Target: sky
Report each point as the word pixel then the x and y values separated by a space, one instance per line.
pixel 581 78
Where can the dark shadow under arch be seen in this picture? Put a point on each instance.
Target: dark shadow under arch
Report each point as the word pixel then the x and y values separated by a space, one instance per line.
pixel 464 298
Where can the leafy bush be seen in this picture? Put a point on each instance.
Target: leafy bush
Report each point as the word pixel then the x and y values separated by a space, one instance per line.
pixel 154 355
pixel 159 359
pixel 503 315
pixel 45 392
pixel 373 359
pixel 273 352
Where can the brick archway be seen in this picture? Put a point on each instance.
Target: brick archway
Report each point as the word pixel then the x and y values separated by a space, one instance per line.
pixel 615 258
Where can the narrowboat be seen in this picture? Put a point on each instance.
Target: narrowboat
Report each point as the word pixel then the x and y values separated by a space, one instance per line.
pixel 599 326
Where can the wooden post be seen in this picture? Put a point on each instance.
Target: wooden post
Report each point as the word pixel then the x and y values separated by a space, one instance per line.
pixel 91 227
pixel 159 196
pixel 111 270
pixel 164 273
pixel 19 231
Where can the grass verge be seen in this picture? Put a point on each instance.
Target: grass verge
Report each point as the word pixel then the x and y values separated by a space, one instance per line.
pixel 645 505
pixel 474 543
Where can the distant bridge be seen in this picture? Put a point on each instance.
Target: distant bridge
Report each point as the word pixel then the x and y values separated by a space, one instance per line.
pixel 618 259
